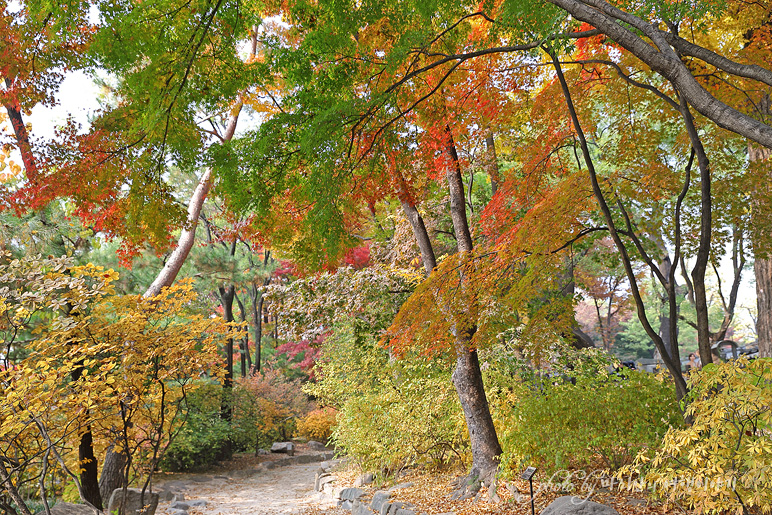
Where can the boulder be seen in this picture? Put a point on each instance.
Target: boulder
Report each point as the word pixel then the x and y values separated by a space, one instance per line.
pixel 263 452
pixel 167 495
pixel 316 446
pixel 67 508
pixel 345 505
pixel 134 506
pixel 351 494
pixel 360 509
pixel 379 499
pixel 284 447
pixel 573 505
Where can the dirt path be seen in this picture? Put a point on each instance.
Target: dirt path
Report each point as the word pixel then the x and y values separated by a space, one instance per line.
pixel 281 486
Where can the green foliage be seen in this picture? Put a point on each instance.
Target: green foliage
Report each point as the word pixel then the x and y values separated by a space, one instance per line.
pixel 722 462
pixel 602 420
pixel 391 412
pixel 200 441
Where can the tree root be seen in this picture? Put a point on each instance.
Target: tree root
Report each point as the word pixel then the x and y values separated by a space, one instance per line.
pixel 479 485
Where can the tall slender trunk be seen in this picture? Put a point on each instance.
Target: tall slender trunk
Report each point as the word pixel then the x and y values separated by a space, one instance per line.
pixel 673 367
pixel 762 267
pixel 257 316
pixel 703 250
pixel 227 294
pixel 467 376
pixel 492 163
pixel 246 359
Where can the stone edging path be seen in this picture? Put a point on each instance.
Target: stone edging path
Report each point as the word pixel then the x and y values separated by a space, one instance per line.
pixel 283 486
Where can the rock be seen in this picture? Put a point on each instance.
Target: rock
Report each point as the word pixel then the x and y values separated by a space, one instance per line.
pixel 400 486
pixel 178 496
pixel 221 477
pixel 68 508
pixel 351 494
pixel 166 495
pixel 284 447
pixel 306 458
pixel 179 505
pixel 360 509
pixel 268 465
pixel 379 499
pixel 201 479
pixel 573 505
pixel 316 446
pixel 364 479
pixel 134 506
pixel 176 512
pixel 391 508
pixel 198 503
pixel 398 506
pixel 345 505
pixel 405 511
pixel 325 466
pixel 263 452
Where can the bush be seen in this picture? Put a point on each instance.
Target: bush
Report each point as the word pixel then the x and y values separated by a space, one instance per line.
pixel 588 420
pixel 318 424
pixel 722 462
pixel 391 412
pixel 265 409
pixel 204 436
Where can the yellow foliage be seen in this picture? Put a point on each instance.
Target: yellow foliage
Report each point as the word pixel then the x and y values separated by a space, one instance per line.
pixel 318 424
pixel 119 366
pixel 722 462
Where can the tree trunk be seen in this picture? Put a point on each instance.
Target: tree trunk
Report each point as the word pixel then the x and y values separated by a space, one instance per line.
pixel 467 377
pixel 173 265
pixel 246 360
pixel 763 270
pixel 257 316
pixel 89 469
pixel 112 474
pixel 703 251
pixel 421 235
pixel 468 382
pixel 227 295
pixel 673 367
pixel 661 58
pixel 492 163
pixel 762 267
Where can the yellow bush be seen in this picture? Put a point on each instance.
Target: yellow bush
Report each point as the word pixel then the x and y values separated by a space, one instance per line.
pixel 722 462
pixel 318 424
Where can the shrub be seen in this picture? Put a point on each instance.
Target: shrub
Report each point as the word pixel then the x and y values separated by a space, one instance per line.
pixel 266 408
pixel 603 419
pixel 318 424
pixel 204 435
pixel 391 412
pixel 722 462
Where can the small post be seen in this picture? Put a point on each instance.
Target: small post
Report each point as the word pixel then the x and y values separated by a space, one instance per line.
pixel 528 476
